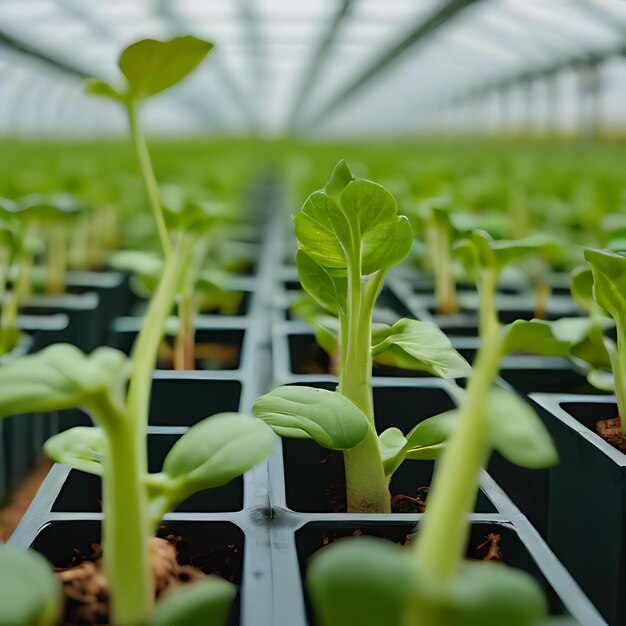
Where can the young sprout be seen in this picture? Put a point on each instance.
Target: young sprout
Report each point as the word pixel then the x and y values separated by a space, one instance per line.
pixel 440 233
pixel 212 453
pixel 609 291
pixel 350 236
pixel 150 67
pixel 430 583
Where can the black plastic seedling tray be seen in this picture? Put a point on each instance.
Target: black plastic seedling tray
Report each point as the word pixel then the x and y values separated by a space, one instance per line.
pixel 587 504
pixel 267 516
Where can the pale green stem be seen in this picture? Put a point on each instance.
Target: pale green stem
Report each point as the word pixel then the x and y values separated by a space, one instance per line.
pixel 445 287
pixel 367 487
pixel 57 259
pixel 127 521
pixel 5 257
pixel 443 534
pixel 147 172
pixel 184 350
pixel 618 365
pixel 126 526
pixel 146 347
pixel 9 313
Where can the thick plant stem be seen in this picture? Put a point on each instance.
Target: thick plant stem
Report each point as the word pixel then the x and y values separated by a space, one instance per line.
pixel 147 172
pixel 57 259
pixel 146 347
pixel 443 535
pixel 367 487
pixel 126 527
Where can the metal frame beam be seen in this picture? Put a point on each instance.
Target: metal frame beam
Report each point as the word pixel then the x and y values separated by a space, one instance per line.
pixel 9 41
pixel 422 30
pixel 310 76
pixel 583 60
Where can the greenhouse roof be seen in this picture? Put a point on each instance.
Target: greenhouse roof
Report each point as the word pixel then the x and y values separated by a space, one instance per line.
pixel 313 65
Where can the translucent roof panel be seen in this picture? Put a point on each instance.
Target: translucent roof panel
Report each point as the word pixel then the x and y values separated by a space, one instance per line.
pixel 321 67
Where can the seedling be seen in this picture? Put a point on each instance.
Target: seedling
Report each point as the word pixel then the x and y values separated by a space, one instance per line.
pixel 430 583
pixel 440 233
pixel 609 291
pixel 212 453
pixel 350 236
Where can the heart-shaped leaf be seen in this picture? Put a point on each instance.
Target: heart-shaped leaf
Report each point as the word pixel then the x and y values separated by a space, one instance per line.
pixel 582 288
pixel 306 412
pixel 102 89
pixel 217 450
pixel 516 431
pixel 353 222
pixel 151 66
pixel 478 250
pixel 392 444
pixel 61 377
pixel 362 581
pixel 30 592
pixel 415 345
pixel 535 336
pixel 609 281
pixel 81 447
pixel 385 237
pixel 481 594
pixel 203 602
pixel 318 282
pixel 427 440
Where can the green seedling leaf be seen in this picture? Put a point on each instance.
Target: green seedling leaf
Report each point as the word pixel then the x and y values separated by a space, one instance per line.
pixel 323 231
pixel 305 412
pixel 339 180
pixel 102 89
pixel 415 345
pixel 82 447
pixel 516 431
pixel 205 602
pixel 386 238
pixel 600 379
pixel 478 250
pixel 362 581
pixel 216 451
pixel 151 66
pixel 609 281
pixel 582 289
pixel 482 594
pixel 392 444
pixel 30 593
pixel 353 220
pixel 137 262
pixel 367 581
pixel 61 377
pixel 426 441
pixel 317 281
pixel 327 333
pixel 535 336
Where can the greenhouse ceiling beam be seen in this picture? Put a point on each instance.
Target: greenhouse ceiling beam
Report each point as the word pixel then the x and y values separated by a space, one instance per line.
pixel 422 30
pixel 249 16
pixel 310 76
pixel 588 59
pixel 12 43
pixel 181 25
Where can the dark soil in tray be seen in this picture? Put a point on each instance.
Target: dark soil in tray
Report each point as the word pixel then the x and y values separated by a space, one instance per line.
pixel 201 547
pixel 316 535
